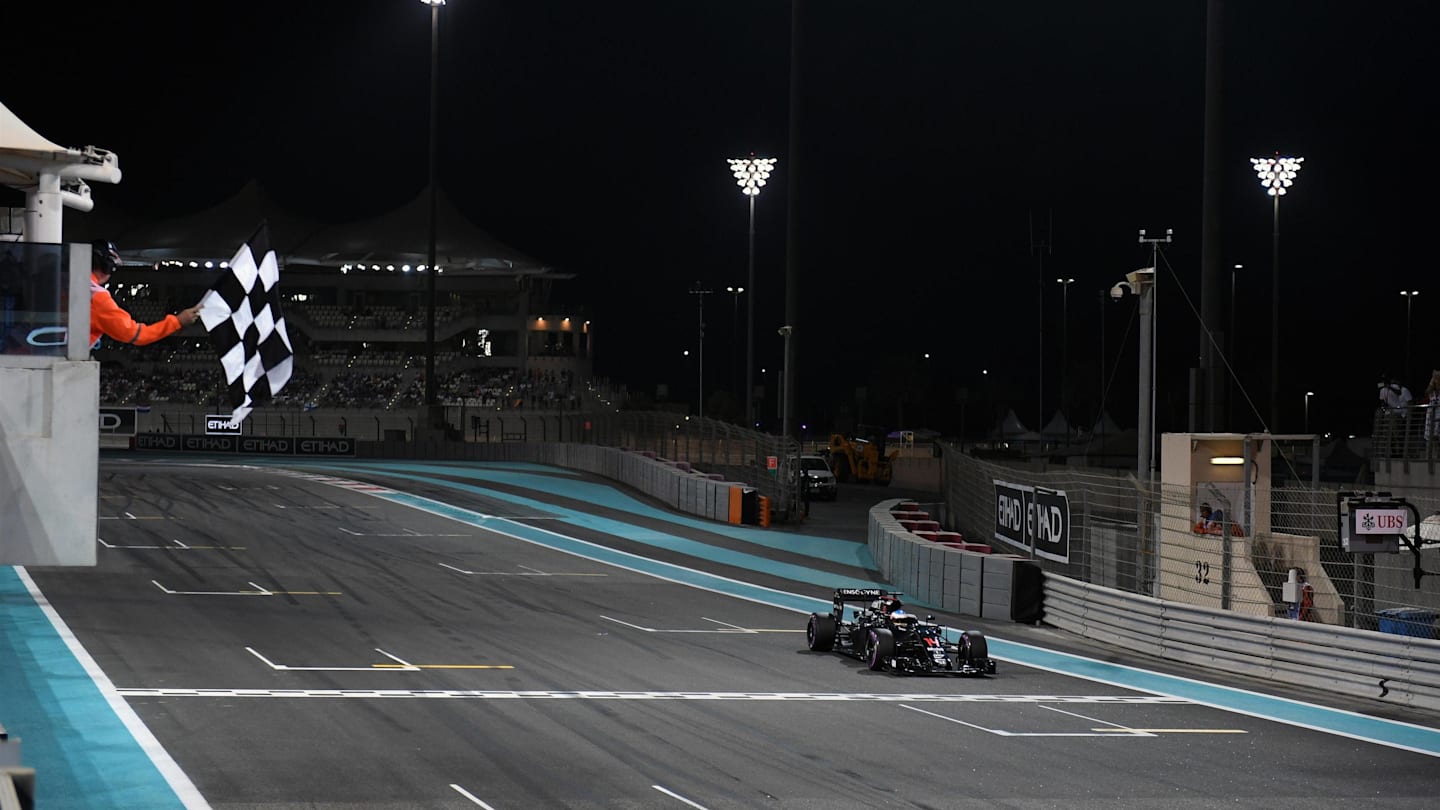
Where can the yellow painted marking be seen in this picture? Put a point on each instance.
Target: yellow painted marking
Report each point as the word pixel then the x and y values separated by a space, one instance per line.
pixel 1173 730
pixel 443 666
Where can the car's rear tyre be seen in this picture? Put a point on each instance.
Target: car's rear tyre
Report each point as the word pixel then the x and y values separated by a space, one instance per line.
pixel 882 648
pixel 973 648
pixel 820 632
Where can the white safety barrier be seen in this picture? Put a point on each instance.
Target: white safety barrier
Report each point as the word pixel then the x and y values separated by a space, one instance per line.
pixel 673 483
pixel 950 579
pixel 1399 670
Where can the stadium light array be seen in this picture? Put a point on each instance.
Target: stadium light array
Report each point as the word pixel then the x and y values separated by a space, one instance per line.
pixel 751 173
pixel 1277 173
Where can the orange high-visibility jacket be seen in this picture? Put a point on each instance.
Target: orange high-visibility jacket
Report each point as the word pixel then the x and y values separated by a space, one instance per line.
pixel 107 318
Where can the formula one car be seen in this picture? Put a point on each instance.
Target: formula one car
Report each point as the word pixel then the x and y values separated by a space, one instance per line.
pixel 885 636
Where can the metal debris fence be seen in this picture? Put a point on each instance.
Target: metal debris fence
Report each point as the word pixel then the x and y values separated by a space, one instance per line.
pixel 1145 540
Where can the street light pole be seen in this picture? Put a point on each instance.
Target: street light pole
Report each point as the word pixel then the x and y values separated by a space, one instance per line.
pixel 1064 345
pixel 1230 346
pixel 1144 282
pixel 1038 250
pixel 1308 394
pixel 700 292
pixel 1100 412
pixel 431 272
pixel 1409 300
pixel 785 332
pixel 735 331
pixel 750 175
pixel 1276 175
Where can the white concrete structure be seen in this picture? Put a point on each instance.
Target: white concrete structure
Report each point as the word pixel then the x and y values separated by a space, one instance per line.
pixel 49 388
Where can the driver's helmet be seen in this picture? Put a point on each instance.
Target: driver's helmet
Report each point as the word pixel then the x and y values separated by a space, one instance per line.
pixel 886 605
pixel 902 620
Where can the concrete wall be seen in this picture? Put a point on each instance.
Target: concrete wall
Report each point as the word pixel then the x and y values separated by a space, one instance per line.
pixel 49 462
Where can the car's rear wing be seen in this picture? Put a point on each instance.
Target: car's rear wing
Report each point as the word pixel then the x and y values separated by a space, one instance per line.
pixel 862 594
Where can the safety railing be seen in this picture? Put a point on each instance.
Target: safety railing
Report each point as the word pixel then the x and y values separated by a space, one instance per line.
pixel 1394 669
pixel 1406 434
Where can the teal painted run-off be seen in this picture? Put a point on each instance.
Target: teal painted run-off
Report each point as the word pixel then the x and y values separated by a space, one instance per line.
pixel 83 755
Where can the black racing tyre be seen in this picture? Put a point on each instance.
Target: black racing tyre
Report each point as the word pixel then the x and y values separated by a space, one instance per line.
pixel 820 632
pixel 842 468
pixel 973 648
pixel 881 648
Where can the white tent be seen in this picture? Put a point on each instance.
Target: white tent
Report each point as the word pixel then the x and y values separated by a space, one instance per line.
pixel 52 176
pixel 1057 430
pixel 1105 426
pixel 1012 429
pixel 19 141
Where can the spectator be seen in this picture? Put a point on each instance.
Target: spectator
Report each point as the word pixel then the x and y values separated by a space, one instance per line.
pixel 1395 402
pixel 1432 413
pixel 1212 521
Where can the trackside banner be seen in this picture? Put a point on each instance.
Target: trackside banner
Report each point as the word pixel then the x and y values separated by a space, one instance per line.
pixel 247 445
pixel 1033 518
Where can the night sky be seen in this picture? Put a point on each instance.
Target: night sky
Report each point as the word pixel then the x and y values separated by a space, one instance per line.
pixel 593 137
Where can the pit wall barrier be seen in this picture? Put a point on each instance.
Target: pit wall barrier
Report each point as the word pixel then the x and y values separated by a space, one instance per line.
pixel 49 451
pixel 1393 669
pixel 991 586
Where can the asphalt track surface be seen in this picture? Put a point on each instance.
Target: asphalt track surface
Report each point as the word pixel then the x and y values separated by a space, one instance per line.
pixel 406 635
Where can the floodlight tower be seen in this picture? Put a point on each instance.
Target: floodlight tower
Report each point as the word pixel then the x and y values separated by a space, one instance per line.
pixel 750 175
pixel 430 382
pixel 1277 175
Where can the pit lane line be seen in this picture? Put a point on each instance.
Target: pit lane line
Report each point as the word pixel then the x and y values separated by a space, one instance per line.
pixel 1324 719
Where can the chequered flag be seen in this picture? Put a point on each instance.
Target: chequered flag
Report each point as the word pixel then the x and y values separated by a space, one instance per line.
pixel 241 311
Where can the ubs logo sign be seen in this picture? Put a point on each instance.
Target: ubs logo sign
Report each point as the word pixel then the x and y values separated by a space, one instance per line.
pixel 221 425
pixel 1381 521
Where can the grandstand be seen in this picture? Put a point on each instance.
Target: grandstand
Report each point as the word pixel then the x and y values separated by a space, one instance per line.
pixel 355 307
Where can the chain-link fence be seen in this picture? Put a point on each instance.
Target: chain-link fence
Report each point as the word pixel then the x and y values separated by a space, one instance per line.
pixel 1153 540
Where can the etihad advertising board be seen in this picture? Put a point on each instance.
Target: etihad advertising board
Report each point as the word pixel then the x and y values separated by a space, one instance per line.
pixel 1033 518
pixel 253 445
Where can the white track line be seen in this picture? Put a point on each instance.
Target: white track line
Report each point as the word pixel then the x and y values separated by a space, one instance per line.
pixel 672 794
pixel 472 797
pixel 768 697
